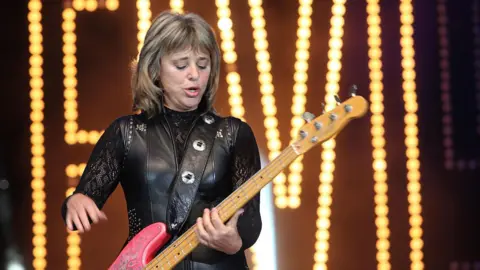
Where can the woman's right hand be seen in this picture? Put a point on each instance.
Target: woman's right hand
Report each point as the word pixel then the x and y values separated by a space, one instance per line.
pixel 79 209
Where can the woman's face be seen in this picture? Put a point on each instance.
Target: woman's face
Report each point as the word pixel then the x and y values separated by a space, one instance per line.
pixel 184 76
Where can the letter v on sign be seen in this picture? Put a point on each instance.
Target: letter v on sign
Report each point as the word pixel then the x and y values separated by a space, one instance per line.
pixel 285 195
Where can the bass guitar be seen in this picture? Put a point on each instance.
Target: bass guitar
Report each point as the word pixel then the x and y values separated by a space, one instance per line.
pixel 140 252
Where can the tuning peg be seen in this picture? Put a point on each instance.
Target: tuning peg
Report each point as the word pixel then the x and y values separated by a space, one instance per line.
pixel 323 108
pixel 307 116
pixel 353 90
pixel 337 99
pixel 303 134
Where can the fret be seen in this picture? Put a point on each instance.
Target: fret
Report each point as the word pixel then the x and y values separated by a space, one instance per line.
pixel 188 241
pixel 241 189
pixel 227 208
pixel 247 191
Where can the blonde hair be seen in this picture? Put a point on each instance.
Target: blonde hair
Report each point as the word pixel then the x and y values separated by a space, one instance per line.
pixel 171 32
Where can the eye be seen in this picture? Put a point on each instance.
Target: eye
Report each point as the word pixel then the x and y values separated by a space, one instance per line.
pixel 203 64
pixel 180 64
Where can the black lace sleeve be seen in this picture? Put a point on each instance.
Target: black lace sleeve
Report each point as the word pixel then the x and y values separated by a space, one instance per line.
pixel 100 177
pixel 246 162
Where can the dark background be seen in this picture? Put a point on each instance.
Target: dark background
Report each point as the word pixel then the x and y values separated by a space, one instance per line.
pixel 106 43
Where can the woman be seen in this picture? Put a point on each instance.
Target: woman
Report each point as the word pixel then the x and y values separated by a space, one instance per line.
pixel 149 153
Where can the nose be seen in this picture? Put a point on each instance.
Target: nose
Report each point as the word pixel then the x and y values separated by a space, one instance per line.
pixel 194 74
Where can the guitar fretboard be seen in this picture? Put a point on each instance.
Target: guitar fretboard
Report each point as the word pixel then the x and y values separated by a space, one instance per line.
pixel 186 243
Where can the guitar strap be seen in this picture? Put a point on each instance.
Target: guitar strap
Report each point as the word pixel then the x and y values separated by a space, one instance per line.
pixel 188 178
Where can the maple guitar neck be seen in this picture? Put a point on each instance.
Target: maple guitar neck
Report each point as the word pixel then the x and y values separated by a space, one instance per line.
pixel 317 130
pixel 186 243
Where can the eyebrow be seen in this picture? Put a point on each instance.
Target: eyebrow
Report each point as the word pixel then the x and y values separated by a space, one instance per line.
pixel 186 58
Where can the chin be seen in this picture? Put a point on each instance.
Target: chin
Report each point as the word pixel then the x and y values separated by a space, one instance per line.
pixel 191 107
pixel 191 104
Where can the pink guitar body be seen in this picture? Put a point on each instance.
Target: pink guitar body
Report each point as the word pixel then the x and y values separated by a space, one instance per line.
pixel 142 248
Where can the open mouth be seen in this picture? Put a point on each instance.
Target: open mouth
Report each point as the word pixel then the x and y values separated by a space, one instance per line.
pixel 192 91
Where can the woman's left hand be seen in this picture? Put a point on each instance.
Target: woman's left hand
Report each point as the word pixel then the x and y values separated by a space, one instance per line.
pixel 211 232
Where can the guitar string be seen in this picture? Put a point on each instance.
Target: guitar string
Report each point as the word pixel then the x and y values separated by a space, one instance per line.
pixel 229 204
pixel 226 206
pixel 186 237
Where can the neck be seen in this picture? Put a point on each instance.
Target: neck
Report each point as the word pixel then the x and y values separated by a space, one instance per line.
pixel 167 108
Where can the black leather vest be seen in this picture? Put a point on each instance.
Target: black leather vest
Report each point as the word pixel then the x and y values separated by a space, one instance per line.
pixel 149 171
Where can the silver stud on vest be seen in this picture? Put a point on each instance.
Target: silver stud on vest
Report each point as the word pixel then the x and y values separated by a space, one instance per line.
pixel 188 177
pixel 208 119
pixel 199 145
pixel 141 127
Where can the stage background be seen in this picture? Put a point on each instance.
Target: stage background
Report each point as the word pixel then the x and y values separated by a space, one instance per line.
pixel 106 43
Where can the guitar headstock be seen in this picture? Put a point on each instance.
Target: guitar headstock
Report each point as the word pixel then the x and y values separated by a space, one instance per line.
pixel 329 124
